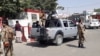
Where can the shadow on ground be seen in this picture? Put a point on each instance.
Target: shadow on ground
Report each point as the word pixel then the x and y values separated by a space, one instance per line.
pixel 36 44
pixel 65 40
pixel 70 45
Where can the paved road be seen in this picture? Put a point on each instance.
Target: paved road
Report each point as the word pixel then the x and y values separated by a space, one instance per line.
pixel 68 48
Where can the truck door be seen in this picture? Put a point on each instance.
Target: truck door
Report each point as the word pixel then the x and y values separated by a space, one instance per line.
pixel 35 31
pixel 72 28
pixel 66 29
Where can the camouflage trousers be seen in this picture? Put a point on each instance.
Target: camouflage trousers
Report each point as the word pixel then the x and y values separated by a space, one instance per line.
pixel 9 50
pixel 81 39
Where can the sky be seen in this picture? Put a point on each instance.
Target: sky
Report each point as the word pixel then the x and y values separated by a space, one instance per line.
pixel 77 6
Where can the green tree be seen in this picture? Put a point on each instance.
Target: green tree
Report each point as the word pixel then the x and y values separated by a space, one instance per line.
pixel 97 10
pixel 45 5
pixel 7 8
pixel 10 8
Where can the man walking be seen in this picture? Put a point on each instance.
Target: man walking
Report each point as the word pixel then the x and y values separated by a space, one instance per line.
pixel 81 30
pixel 18 32
pixel 7 37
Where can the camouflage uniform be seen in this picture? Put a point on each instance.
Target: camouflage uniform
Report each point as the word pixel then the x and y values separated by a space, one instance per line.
pixel 1 44
pixel 81 34
pixel 7 36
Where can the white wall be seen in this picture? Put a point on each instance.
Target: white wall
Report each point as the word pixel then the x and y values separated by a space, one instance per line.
pixel 25 21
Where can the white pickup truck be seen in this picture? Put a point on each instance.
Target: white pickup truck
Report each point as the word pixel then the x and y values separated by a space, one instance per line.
pixel 55 30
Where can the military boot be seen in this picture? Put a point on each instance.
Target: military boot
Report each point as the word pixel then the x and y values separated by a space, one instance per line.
pixel 82 46
pixel 79 45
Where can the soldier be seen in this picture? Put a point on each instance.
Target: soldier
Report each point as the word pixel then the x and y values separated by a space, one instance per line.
pixel 7 37
pixel 81 30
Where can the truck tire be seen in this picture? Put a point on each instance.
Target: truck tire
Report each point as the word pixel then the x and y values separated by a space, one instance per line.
pixel 58 39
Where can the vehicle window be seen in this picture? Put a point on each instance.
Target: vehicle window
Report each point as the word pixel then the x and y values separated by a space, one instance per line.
pixel 71 24
pixel 52 23
pixel 65 23
pixel 34 25
pixel 58 24
pixel 34 17
pixel 49 23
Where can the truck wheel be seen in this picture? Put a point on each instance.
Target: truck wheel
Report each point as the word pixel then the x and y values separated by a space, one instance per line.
pixel 58 39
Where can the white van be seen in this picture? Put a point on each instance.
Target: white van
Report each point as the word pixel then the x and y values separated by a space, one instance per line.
pixel 92 23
